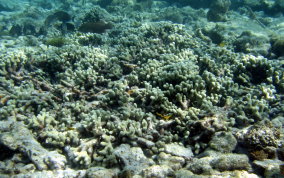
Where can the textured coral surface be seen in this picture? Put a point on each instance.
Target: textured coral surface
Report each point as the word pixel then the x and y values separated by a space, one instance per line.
pixel 141 88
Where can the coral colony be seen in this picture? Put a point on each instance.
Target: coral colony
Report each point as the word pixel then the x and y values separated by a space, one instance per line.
pixel 141 88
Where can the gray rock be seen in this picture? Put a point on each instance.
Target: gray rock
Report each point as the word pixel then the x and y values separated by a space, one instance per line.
pixel 218 10
pixel 252 42
pixel 100 172
pixel 144 142
pixel 51 174
pixel 158 171
pixel 178 150
pixel 223 142
pixel 183 173
pixel 16 136
pixel 200 166
pixel 228 162
pixel 223 162
pixel 175 162
pixel 271 167
pixel 132 159
pixel 278 122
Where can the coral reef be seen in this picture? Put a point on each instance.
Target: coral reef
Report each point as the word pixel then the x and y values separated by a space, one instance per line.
pixel 15 136
pixel 218 10
pixel 249 42
pixel 278 46
pixel 139 89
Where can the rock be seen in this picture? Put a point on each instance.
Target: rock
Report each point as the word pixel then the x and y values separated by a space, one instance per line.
pixel 272 168
pixel 51 174
pixel 278 122
pixel 244 174
pixel 262 135
pixel 158 171
pixel 9 167
pixel 204 129
pixel 223 142
pixel 223 162
pixel 132 159
pixel 100 172
pixel 178 150
pixel 174 162
pixel 183 173
pixel 200 166
pixel 252 42
pixel 278 46
pixel 144 142
pixel 188 174
pixel 18 137
pixel 229 162
pixel 280 154
pixel 218 9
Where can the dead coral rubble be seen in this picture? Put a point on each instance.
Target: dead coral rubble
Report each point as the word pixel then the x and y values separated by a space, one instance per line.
pixel 17 137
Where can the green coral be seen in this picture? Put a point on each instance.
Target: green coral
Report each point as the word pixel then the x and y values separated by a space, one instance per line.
pixel 89 100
